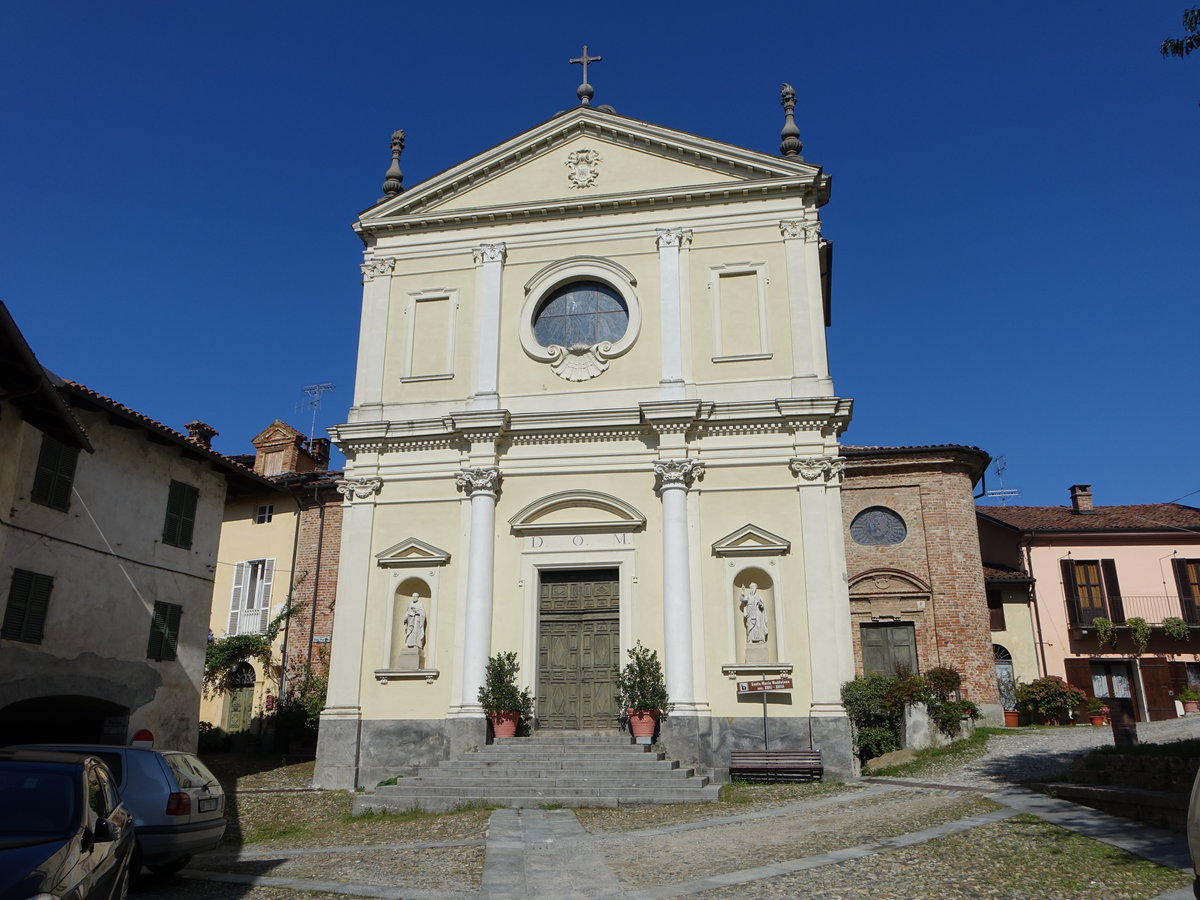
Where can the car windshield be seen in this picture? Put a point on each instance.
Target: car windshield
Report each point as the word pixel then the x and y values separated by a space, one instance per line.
pixel 189 772
pixel 38 800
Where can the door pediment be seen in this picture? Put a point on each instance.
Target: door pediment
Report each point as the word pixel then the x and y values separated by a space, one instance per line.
pixel 575 512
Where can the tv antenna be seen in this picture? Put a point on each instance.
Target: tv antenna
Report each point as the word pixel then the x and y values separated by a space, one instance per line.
pixel 1002 493
pixel 314 392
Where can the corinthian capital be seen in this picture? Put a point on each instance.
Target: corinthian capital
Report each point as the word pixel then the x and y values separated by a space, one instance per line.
pixel 489 253
pixel 799 228
pixel 480 480
pixel 819 468
pixel 673 237
pixel 373 268
pixel 677 473
pixel 359 488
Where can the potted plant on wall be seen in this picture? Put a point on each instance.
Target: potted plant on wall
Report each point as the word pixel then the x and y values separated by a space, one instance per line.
pixel 1190 698
pixel 642 691
pixel 500 696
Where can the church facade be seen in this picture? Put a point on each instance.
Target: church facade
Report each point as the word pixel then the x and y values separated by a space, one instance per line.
pixel 593 407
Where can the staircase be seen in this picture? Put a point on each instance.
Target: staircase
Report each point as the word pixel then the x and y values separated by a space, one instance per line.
pixel 550 769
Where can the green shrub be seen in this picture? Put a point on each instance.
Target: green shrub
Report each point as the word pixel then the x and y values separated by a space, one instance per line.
pixel 499 691
pixel 1175 627
pixel 1106 632
pixel 641 684
pixel 1139 630
pixel 876 722
pixel 1049 697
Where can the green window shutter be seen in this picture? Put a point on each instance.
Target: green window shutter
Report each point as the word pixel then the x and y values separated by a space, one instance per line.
pixel 164 631
pixel 28 600
pixel 181 515
pixel 55 474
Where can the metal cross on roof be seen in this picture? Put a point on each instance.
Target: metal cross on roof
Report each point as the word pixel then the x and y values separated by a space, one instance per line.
pixel 584 91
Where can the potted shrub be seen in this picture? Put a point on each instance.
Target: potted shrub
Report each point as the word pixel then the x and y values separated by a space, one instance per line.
pixel 642 691
pixel 1175 627
pixel 1190 698
pixel 1106 632
pixel 1049 698
pixel 1008 699
pixel 1095 709
pixel 1139 630
pixel 501 698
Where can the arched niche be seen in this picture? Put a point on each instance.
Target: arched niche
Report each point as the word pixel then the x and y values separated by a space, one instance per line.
pixel 400 656
pixel 751 581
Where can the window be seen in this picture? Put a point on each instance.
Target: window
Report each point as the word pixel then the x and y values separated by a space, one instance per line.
pixel 164 631
pixel 877 526
pixel 1091 590
pixel 581 314
pixel 995 610
pixel 264 514
pixel 181 515
pixel 25 615
pixel 250 601
pixel 1187 577
pixel 55 474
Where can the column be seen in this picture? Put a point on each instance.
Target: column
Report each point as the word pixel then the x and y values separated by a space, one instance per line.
pixel 480 485
pixel 337 749
pixel 831 651
pixel 675 477
pixel 489 262
pixel 372 333
pixel 669 241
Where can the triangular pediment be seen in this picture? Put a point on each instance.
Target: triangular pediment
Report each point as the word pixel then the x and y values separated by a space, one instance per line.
pixel 412 552
pixel 277 432
pixel 574 512
pixel 536 169
pixel 750 540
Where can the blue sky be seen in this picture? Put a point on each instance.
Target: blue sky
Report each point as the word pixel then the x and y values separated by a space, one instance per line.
pixel 1014 197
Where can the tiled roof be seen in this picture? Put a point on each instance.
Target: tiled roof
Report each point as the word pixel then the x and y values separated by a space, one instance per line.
pixel 77 392
pixel 993 572
pixel 854 448
pixel 1141 517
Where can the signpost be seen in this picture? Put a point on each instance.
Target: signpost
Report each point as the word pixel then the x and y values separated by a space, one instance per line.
pixel 764 687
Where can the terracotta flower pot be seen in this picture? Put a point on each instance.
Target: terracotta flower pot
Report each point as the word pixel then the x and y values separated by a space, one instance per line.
pixel 1012 718
pixel 1097 720
pixel 1191 706
pixel 504 724
pixel 641 722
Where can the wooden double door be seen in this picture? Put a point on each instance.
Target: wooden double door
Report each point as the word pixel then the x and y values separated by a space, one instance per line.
pixel 579 645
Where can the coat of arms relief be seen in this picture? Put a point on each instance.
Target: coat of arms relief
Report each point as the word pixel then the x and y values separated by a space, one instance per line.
pixel 583 166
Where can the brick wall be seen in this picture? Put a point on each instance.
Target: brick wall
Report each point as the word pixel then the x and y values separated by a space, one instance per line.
pixel 314 589
pixel 934 577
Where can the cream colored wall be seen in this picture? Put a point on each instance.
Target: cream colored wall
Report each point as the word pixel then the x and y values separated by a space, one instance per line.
pixel 243 540
pixel 1018 635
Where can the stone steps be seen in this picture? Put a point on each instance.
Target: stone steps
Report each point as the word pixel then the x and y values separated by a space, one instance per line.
pixel 569 770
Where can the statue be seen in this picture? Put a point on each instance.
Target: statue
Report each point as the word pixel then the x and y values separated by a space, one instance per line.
pixel 414 623
pixel 754 611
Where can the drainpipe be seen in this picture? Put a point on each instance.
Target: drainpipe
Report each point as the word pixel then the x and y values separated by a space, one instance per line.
pixel 1037 616
pixel 312 623
pixel 287 623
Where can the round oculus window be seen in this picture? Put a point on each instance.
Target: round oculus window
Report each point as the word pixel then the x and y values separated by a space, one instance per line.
pixel 581 314
pixel 877 526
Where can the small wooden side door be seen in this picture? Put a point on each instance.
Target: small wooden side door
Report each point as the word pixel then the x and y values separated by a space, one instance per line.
pixel 1160 681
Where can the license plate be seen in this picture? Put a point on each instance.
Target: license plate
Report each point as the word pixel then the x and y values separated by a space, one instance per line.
pixel 208 805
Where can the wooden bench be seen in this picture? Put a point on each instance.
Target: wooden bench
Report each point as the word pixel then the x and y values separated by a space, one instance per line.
pixel 776 765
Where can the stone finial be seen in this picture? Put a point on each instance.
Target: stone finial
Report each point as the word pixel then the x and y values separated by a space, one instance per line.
pixel 585 91
pixel 394 180
pixel 791 145
pixel 201 432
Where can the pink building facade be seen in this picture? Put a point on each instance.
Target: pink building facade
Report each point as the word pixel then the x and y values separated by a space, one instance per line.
pixel 1115 594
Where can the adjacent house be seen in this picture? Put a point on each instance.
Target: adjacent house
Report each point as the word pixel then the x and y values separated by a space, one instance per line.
pixel 279 551
pixel 1115 593
pixel 917 596
pixel 109 524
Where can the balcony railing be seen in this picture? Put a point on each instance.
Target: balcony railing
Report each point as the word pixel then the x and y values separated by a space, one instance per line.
pixel 1151 607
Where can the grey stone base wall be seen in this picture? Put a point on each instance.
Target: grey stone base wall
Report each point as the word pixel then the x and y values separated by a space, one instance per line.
pixel 361 754
pixel 705 743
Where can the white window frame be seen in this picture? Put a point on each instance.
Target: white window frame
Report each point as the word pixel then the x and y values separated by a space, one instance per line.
pixel 245 619
pixel 415 297
pixel 264 513
pixel 715 274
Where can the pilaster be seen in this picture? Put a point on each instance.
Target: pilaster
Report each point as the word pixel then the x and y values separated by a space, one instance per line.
pixel 810 362
pixel 373 330
pixel 670 241
pixel 489 263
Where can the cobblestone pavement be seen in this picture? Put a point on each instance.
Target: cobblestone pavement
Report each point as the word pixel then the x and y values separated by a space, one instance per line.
pixel 907 838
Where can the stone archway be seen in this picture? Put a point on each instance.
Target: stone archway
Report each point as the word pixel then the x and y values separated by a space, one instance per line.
pixel 66 719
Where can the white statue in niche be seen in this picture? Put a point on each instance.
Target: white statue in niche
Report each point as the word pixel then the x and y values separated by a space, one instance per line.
pixel 414 623
pixel 754 612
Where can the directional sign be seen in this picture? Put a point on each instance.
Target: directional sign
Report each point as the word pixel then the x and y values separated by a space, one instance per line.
pixel 755 687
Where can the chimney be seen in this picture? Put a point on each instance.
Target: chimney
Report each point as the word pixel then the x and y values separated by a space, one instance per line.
pixel 318 449
pixel 1081 498
pixel 201 432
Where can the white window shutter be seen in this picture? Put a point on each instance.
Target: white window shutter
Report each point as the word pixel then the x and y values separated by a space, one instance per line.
pixel 268 576
pixel 235 601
